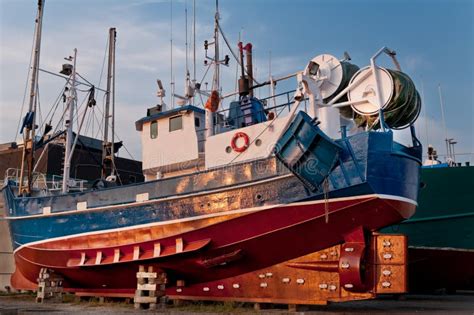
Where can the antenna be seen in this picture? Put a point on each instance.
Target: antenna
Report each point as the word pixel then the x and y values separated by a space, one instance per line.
pixel 424 111
pixel 171 48
pixel 194 41
pixel 444 121
pixel 186 35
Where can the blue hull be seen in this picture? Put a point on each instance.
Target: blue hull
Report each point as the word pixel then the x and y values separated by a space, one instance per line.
pixel 369 163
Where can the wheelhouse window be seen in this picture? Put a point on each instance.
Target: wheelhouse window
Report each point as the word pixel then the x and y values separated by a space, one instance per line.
pixel 176 123
pixel 154 129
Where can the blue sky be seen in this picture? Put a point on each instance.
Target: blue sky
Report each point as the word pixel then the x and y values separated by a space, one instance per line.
pixel 434 41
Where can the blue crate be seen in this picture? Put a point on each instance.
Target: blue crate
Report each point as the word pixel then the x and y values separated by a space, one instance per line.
pixel 307 151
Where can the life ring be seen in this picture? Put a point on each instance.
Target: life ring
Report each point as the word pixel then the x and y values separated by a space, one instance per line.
pixel 233 143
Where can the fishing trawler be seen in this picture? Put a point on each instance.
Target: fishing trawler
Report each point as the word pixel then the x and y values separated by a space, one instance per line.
pixel 441 242
pixel 233 190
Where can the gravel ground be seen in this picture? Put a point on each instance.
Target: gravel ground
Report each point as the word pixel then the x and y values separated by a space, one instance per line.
pixel 411 304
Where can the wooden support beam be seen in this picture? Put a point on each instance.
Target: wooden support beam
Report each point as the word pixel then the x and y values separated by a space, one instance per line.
pixel 156 250
pixel 83 259
pixel 179 245
pixel 117 255
pixel 136 252
pixel 98 258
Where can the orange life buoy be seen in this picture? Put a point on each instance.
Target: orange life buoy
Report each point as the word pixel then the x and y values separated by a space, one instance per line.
pixel 233 143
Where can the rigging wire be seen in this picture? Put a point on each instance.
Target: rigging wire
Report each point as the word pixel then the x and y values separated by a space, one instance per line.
pixel 205 73
pixel 17 131
pixel 103 62
pixel 237 72
pixel 86 128
pixel 37 103
pixel 232 51
pixel 53 108
pixel 125 147
pixel 99 126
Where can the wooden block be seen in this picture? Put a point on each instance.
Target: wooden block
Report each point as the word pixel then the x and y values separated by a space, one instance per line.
pixel 141 197
pixel 98 258
pixel 117 255
pixel 136 252
pixel 179 245
pixel 145 299
pixel 82 205
pixel 83 259
pixel 146 287
pixel 157 250
pixel 146 275
pixel 162 279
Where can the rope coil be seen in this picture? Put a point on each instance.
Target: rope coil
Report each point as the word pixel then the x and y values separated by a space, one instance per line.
pixel 403 108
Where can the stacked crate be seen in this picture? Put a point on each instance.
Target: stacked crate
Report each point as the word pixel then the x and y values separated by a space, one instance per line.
pixel 150 288
pixel 50 286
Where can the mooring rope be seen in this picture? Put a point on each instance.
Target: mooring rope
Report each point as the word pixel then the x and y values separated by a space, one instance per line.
pixel 326 199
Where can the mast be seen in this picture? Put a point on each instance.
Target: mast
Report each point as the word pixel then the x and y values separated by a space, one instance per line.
pixel 71 104
pixel 29 135
pixel 186 40
pixel 249 67
pixel 112 147
pixel 194 41
pixel 108 147
pixel 215 81
pixel 171 56
pixel 216 49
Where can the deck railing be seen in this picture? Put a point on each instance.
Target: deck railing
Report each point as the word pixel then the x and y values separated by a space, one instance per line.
pixel 42 183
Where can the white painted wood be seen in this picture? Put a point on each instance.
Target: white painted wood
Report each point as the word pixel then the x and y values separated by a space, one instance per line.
pixel 157 250
pixel 173 147
pixel 116 255
pixel 136 252
pixel 179 245
pixel 46 210
pixel 216 154
pixel 98 258
pixel 142 197
pixel 82 205
pixel 83 259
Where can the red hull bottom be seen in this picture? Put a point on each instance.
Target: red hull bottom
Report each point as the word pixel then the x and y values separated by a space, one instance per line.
pixel 316 278
pixel 237 246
